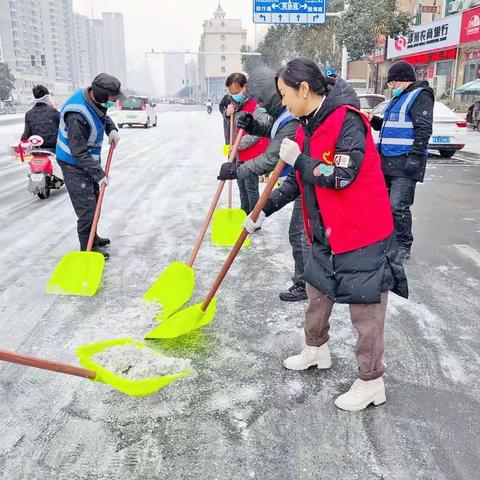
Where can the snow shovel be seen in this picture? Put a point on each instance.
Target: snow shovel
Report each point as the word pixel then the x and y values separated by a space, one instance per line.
pixel 176 283
pixel 227 222
pixel 95 372
pixel 202 314
pixel 80 273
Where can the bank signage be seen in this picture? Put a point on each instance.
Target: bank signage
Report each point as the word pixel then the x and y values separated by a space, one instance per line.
pixel 470 26
pixel 423 38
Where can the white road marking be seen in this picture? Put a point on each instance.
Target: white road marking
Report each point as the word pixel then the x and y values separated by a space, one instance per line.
pixel 469 252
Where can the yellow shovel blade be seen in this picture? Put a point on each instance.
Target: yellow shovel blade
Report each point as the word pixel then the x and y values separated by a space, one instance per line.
pixel 227 226
pixel 184 321
pixel 77 273
pixel 172 288
pixel 135 388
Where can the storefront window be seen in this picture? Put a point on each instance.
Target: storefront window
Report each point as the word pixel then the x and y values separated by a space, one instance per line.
pixel 443 79
pixel 472 72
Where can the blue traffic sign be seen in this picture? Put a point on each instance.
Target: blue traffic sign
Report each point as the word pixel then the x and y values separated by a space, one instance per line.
pixel 305 11
pixel 329 71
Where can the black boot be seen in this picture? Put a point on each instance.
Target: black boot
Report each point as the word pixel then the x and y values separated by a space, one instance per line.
pixel 295 293
pixel 101 242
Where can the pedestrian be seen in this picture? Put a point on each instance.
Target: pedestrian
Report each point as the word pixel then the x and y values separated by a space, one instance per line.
pixel 251 146
pixel 42 119
pixel 83 123
pixel 278 125
pixel 337 174
pixel 404 134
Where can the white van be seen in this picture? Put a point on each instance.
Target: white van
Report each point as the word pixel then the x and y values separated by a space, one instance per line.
pixel 136 110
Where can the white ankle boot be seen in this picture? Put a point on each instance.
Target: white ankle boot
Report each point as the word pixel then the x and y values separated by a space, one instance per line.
pixel 361 394
pixel 308 357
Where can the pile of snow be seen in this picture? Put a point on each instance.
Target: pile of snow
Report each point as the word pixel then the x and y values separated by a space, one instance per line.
pixel 136 363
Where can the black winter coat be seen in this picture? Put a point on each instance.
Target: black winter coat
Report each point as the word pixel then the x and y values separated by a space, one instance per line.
pixel 43 120
pixel 359 276
pixel 422 118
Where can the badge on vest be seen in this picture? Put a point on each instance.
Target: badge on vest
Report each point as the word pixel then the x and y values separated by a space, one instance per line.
pixel 323 169
pixel 341 160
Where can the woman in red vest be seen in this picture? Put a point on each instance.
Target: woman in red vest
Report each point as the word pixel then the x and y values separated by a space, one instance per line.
pixel 348 221
pixel 250 146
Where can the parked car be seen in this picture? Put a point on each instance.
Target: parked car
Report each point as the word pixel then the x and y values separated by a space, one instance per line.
pixel 368 101
pixel 136 110
pixel 449 129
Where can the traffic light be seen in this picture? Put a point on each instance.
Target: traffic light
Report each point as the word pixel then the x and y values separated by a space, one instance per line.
pixel 32 59
pixel 42 59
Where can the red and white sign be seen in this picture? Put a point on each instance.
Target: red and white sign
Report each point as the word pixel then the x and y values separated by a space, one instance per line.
pixel 424 38
pixel 427 9
pixel 470 26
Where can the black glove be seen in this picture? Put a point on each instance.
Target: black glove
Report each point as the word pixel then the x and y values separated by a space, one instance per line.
pixel 245 121
pixel 412 164
pixel 228 171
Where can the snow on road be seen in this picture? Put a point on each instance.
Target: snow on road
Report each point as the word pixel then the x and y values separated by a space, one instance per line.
pixel 239 414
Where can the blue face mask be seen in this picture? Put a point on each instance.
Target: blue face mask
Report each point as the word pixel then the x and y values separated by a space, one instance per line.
pixel 397 91
pixel 238 97
pixel 107 105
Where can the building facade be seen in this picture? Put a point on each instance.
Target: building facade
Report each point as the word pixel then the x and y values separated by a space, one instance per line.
pixel 174 74
pixel 221 39
pixel 114 45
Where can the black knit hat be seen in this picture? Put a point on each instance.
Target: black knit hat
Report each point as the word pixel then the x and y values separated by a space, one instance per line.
pixel 401 72
pixel 104 85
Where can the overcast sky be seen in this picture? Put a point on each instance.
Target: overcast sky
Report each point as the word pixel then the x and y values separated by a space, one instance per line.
pixel 165 24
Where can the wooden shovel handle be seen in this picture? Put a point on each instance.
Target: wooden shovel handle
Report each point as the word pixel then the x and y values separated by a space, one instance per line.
pixel 213 206
pixel 19 358
pixel 96 217
pixel 206 223
pixel 238 245
pixel 230 159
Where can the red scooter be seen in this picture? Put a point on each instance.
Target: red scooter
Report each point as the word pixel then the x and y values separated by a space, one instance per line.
pixel 41 178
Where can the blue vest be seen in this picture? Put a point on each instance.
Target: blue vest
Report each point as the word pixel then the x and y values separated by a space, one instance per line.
pixel 284 118
pixel 77 103
pixel 397 134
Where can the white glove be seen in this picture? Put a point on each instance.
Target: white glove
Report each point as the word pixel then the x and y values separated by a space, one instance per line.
pixel 289 151
pixel 113 137
pixel 250 226
pixel 103 180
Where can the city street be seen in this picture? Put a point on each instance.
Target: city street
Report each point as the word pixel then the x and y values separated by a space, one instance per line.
pixel 240 414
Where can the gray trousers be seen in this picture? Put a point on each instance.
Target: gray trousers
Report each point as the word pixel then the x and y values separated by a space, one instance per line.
pixel 367 319
pixel 249 193
pixel 298 241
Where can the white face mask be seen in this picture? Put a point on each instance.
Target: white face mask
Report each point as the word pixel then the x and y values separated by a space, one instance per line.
pixel 44 99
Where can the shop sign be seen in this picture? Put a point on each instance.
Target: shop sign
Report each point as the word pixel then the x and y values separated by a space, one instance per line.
pixel 431 57
pixel 423 38
pixel 427 9
pixel 379 54
pixel 470 26
pixel 472 54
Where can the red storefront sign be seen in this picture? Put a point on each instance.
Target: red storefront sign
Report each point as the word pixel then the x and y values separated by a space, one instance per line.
pixel 438 56
pixel 470 31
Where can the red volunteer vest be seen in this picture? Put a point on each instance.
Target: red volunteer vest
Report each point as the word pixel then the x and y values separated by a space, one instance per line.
pixel 258 147
pixel 360 214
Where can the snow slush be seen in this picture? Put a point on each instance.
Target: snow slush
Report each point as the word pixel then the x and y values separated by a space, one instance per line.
pixel 135 363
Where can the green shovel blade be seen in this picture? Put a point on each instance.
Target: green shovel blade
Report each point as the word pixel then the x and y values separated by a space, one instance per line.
pixel 227 226
pixel 173 288
pixel 77 273
pixel 184 321
pixel 135 388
